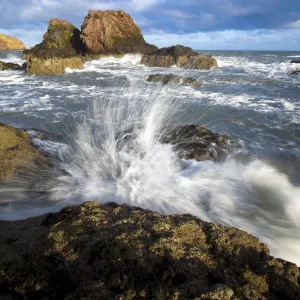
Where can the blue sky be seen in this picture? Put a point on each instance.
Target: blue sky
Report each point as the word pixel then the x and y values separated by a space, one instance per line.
pixel 201 24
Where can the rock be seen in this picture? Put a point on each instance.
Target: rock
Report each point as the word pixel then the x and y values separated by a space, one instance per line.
pixel 121 252
pixel 195 142
pixel 173 79
pixel 60 49
pixel 109 32
pixel 17 152
pixel 294 72
pixel 52 66
pixel 295 61
pixel 180 56
pixel 10 43
pixel 10 67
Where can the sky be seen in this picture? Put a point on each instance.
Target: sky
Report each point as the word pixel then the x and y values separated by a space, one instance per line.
pixel 200 24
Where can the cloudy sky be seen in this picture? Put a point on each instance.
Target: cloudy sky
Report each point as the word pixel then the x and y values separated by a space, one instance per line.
pixel 201 24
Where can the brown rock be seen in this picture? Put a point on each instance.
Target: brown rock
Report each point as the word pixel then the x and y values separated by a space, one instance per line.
pixel 108 32
pixel 17 152
pixel 180 56
pixel 52 66
pixel 121 252
pixel 10 43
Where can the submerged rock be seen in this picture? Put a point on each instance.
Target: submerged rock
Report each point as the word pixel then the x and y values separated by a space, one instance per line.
pixel 180 56
pixel 10 67
pixel 112 31
pixel 10 43
pixel 173 79
pixel 17 152
pixel 195 142
pixel 295 61
pixel 121 252
pixel 60 49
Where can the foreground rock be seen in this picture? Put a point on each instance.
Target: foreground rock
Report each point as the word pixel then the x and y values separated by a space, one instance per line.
pixel 60 49
pixel 180 56
pixel 10 43
pixel 122 252
pixel 109 32
pixel 17 152
pixel 173 79
pixel 195 142
pixel 10 67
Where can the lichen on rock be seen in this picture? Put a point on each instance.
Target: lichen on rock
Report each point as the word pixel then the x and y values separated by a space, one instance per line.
pixel 121 252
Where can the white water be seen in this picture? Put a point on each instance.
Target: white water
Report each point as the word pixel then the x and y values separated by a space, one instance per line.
pixel 105 166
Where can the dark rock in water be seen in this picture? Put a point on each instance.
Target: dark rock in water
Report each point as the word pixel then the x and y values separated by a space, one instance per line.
pixel 173 79
pixel 295 72
pixel 121 252
pixel 195 142
pixel 10 67
pixel 295 61
pixel 180 56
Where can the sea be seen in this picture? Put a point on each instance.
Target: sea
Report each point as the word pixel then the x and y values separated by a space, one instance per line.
pixel 101 129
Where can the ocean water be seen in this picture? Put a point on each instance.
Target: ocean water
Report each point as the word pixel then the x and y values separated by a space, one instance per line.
pixel 105 122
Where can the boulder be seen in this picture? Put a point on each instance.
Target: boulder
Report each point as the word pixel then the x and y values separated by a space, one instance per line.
pixel 10 67
pixel 195 142
pixel 180 56
pixel 173 79
pixel 17 152
pixel 110 32
pixel 295 61
pixel 120 252
pixel 60 49
pixel 10 43
pixel 294 72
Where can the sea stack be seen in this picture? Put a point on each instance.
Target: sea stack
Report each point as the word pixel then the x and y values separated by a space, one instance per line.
pixel 10 43
pixel 60 49
pixel 109 32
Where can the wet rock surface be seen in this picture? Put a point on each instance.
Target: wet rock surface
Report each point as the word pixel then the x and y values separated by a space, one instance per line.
pixel 169 79
pixel 121 252
pixel 196 142
pixel 10 67
pixel 112 31
pixel 180 56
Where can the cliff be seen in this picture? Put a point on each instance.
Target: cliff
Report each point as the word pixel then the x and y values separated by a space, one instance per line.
pixel 10 43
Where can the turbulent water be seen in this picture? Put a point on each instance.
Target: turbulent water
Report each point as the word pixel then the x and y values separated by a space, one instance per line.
pixel 106 121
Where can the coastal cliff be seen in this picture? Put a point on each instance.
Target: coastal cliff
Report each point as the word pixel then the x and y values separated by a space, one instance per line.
pixel 10 43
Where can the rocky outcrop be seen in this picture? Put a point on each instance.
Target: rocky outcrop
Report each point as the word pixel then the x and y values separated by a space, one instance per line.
pixel 10 43
pixel 109 32
pixel 17 152
pixel 121 252
pixel 180 56
pixel 166 79
pixel 52 66
pixel 10 67
pixel 60 49
pixel 195 142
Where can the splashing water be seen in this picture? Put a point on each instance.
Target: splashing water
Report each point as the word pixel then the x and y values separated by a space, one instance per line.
pixel 116 156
